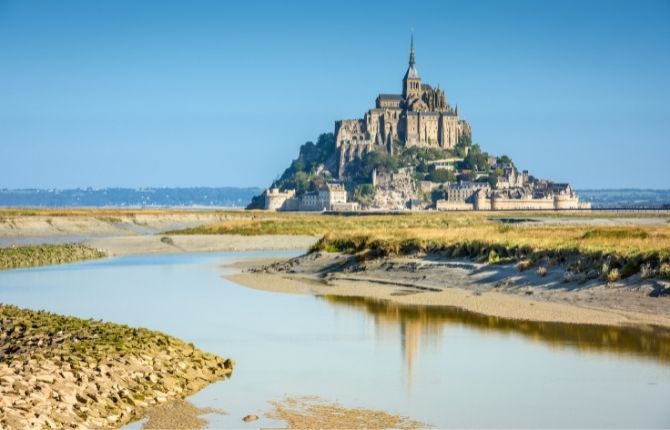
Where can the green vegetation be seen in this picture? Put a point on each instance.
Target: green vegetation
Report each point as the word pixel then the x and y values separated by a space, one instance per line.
pixel 363 193
pixel 318 163
pixel 96 374
pixel 474 235
pixel 85 339
pixel 441 175
pixel 40 255
pixel 302 173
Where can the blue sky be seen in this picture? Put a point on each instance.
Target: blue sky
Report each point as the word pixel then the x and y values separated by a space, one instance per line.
pixel 212 93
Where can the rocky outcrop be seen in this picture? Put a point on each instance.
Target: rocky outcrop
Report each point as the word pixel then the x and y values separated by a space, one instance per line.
pixel 394 191
pixel 63 372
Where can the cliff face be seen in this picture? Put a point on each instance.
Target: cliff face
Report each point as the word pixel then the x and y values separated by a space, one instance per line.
pixel 394 190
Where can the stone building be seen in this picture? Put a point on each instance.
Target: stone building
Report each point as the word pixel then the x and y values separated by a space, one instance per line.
pixel 511 178
pixel 331 196
pixel 465 191
pixel 420 116
pixel 276 200
pixel 462 196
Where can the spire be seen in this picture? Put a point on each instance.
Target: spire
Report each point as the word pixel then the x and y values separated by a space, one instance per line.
pixel 412 73
pixel 411 50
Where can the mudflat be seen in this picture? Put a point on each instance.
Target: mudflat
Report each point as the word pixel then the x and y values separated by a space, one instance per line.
pixel 495 290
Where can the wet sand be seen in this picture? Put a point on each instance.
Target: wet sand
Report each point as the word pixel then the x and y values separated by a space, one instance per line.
pixel 500 291
pixel 310 412
pixel 178 414
pixel 139 233
pixel 159 244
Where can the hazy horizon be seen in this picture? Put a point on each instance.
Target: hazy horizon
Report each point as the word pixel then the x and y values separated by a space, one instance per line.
pixel 160 94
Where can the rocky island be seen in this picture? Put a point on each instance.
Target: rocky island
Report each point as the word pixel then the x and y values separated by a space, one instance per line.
pixel 411 151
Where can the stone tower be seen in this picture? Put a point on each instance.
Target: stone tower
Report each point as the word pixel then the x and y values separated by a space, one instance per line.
pixel 411 83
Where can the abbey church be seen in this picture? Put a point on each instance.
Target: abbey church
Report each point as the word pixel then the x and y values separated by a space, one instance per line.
pixel 420 116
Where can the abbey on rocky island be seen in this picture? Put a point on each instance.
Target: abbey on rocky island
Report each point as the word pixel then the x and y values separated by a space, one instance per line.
pixel 420 116
pixel 411 151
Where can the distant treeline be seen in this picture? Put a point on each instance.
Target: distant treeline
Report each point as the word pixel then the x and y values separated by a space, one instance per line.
pixel 626 198
pixel 128 197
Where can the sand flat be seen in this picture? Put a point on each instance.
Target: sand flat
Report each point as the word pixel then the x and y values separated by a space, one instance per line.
pixel 483 299
pixel 157 244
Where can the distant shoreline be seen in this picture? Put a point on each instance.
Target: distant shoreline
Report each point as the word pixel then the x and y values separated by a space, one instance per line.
pixel 237 198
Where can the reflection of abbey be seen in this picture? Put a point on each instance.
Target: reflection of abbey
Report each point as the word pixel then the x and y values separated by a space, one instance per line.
pixel 420 116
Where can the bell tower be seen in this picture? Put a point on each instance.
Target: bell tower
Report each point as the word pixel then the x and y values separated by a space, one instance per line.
pixel 411 83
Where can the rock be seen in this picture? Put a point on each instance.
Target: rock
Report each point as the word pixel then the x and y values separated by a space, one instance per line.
pixel 7 380
pixel 69 399
pixel 45 384
pixel 47 379
pixel 250 418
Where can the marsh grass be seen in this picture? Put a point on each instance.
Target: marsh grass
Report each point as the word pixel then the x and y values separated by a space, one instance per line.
pixel 480 236
pixel 76 337
pixel 40 255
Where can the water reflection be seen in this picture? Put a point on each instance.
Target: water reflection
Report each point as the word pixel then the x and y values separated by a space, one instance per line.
pixel 430 322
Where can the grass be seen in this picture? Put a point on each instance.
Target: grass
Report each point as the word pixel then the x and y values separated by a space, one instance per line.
pixel 40 255
pixel 433 230
pixel 474 235
pixel 78 337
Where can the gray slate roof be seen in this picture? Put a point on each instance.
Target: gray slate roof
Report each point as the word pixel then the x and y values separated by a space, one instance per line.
pixel 390 96
pixel 412 73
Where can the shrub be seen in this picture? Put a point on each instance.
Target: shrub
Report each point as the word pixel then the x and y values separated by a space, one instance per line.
pixel 631 267
pixel 524 264
pixel 647 271
pixel 664 271
pixel 605 270
pixel 613 275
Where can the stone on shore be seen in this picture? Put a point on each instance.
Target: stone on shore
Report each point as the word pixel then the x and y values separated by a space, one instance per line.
pixel 63 372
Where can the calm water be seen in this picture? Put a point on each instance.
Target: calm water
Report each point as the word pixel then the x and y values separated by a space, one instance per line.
pixel 443 367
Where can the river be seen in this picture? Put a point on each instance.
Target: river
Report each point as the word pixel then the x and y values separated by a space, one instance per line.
pixel 444 367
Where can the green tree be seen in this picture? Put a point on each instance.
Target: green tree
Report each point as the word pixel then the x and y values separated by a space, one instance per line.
pixel 441 175
pixel 363 193
pixel 301 182
pixel 504 159
pixel 437 194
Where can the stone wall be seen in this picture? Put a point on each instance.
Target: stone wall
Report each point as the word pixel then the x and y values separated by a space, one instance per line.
pixel 446 205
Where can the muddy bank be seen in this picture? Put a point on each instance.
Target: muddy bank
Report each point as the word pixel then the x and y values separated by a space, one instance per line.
pixel 24 256
pixel 161 244
pixel 63 372
pixel 497 290
pixel 102 223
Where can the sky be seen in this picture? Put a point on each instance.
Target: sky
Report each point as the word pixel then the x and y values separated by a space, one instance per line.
pixel 134 93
